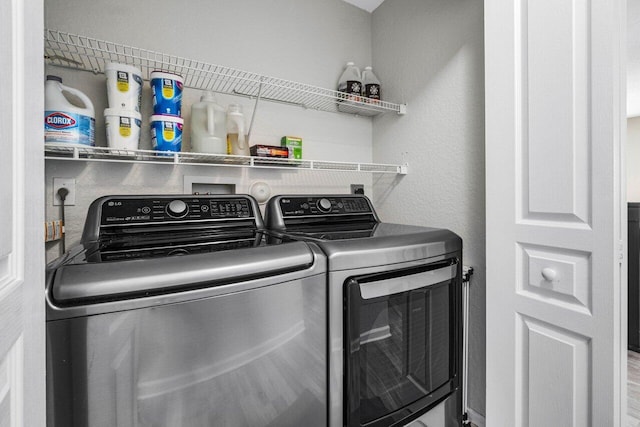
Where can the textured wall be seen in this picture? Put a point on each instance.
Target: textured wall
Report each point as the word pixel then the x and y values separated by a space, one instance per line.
pixel 302 40
pixel 429 54
pixel 633 159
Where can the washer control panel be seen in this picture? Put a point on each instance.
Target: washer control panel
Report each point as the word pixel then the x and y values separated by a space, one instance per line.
pixel 116 211
pixel 324 205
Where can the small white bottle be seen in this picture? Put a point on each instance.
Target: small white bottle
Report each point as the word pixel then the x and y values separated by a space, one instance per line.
pixel 236 142
pixel 350 82
pixel 370 85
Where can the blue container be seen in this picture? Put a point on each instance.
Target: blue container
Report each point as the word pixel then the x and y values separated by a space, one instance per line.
pixel 167 93
pixel 166 133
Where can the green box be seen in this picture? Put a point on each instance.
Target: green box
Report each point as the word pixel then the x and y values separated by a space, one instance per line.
pixel 294 144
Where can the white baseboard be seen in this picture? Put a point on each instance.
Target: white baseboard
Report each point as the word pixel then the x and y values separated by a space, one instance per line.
pixel 475 417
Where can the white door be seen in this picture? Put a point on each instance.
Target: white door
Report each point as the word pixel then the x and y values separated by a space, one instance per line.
pixel 555 217
pixel 22 356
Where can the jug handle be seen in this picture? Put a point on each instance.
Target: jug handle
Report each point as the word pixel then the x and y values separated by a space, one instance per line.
pixel 84 98
pixel 241 141
pixel 211 124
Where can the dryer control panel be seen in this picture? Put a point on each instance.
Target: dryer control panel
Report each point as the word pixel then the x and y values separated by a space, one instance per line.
pixel 324 205
pixel 283 212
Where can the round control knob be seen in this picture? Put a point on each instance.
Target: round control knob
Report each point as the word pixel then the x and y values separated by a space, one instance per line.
pixel 177 208
pixel 324 205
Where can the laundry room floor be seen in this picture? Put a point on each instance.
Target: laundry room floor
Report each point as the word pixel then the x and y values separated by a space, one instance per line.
pixel 633 389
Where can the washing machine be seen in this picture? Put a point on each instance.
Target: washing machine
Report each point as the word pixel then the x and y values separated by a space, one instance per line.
pixel 394 311
pixel 176 311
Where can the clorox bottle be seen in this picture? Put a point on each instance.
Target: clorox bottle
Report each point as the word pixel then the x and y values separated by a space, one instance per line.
pixel 65 122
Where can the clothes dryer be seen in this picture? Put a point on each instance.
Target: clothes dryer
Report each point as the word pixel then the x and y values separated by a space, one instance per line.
pixel 395 311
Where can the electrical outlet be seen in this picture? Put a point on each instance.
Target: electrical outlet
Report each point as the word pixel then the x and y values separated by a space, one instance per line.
pixel 357 189
pixel 69 184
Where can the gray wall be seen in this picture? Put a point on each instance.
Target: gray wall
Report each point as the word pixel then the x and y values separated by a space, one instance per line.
pixel 429 54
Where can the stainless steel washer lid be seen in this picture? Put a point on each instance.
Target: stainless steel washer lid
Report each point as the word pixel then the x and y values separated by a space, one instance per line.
pixel 97 282
pixel 389 244
pixel 348 230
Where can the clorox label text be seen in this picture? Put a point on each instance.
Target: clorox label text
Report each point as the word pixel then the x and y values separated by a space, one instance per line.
pixel 60 120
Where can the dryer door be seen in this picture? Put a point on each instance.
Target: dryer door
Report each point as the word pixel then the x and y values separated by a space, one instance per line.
pixel 402 342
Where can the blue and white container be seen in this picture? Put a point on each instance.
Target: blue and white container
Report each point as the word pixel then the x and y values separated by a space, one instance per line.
pixel 167 93
pixel 166 133
pixel 64 122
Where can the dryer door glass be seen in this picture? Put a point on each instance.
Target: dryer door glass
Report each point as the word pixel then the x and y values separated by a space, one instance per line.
pixel 401 337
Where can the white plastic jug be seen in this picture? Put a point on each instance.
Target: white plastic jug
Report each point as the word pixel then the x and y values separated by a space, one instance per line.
pixel 236 141
pixel 370 85
pixel 64 122
pixel 350 82
pixel 208 126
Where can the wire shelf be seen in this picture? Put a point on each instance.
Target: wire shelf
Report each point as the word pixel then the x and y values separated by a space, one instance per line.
pixel 89 54
pixel 105 154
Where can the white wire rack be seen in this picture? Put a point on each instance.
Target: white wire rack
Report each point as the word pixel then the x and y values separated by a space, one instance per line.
pixel 89 54
pixel 104 154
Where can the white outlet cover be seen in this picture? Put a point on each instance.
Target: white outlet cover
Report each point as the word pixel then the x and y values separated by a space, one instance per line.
pixel 70 184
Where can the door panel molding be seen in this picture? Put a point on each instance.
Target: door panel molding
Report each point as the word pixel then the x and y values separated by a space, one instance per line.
pixel 12 324
pixel 555 139
pixel 12 399
pixel 554 380
pixel 7 120
pixel 555 276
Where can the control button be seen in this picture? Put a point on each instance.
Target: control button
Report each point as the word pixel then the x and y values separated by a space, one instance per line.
pixel 305 206
pixel 204 208
pixel 146 210
pixel 324 205
pixel 177 208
